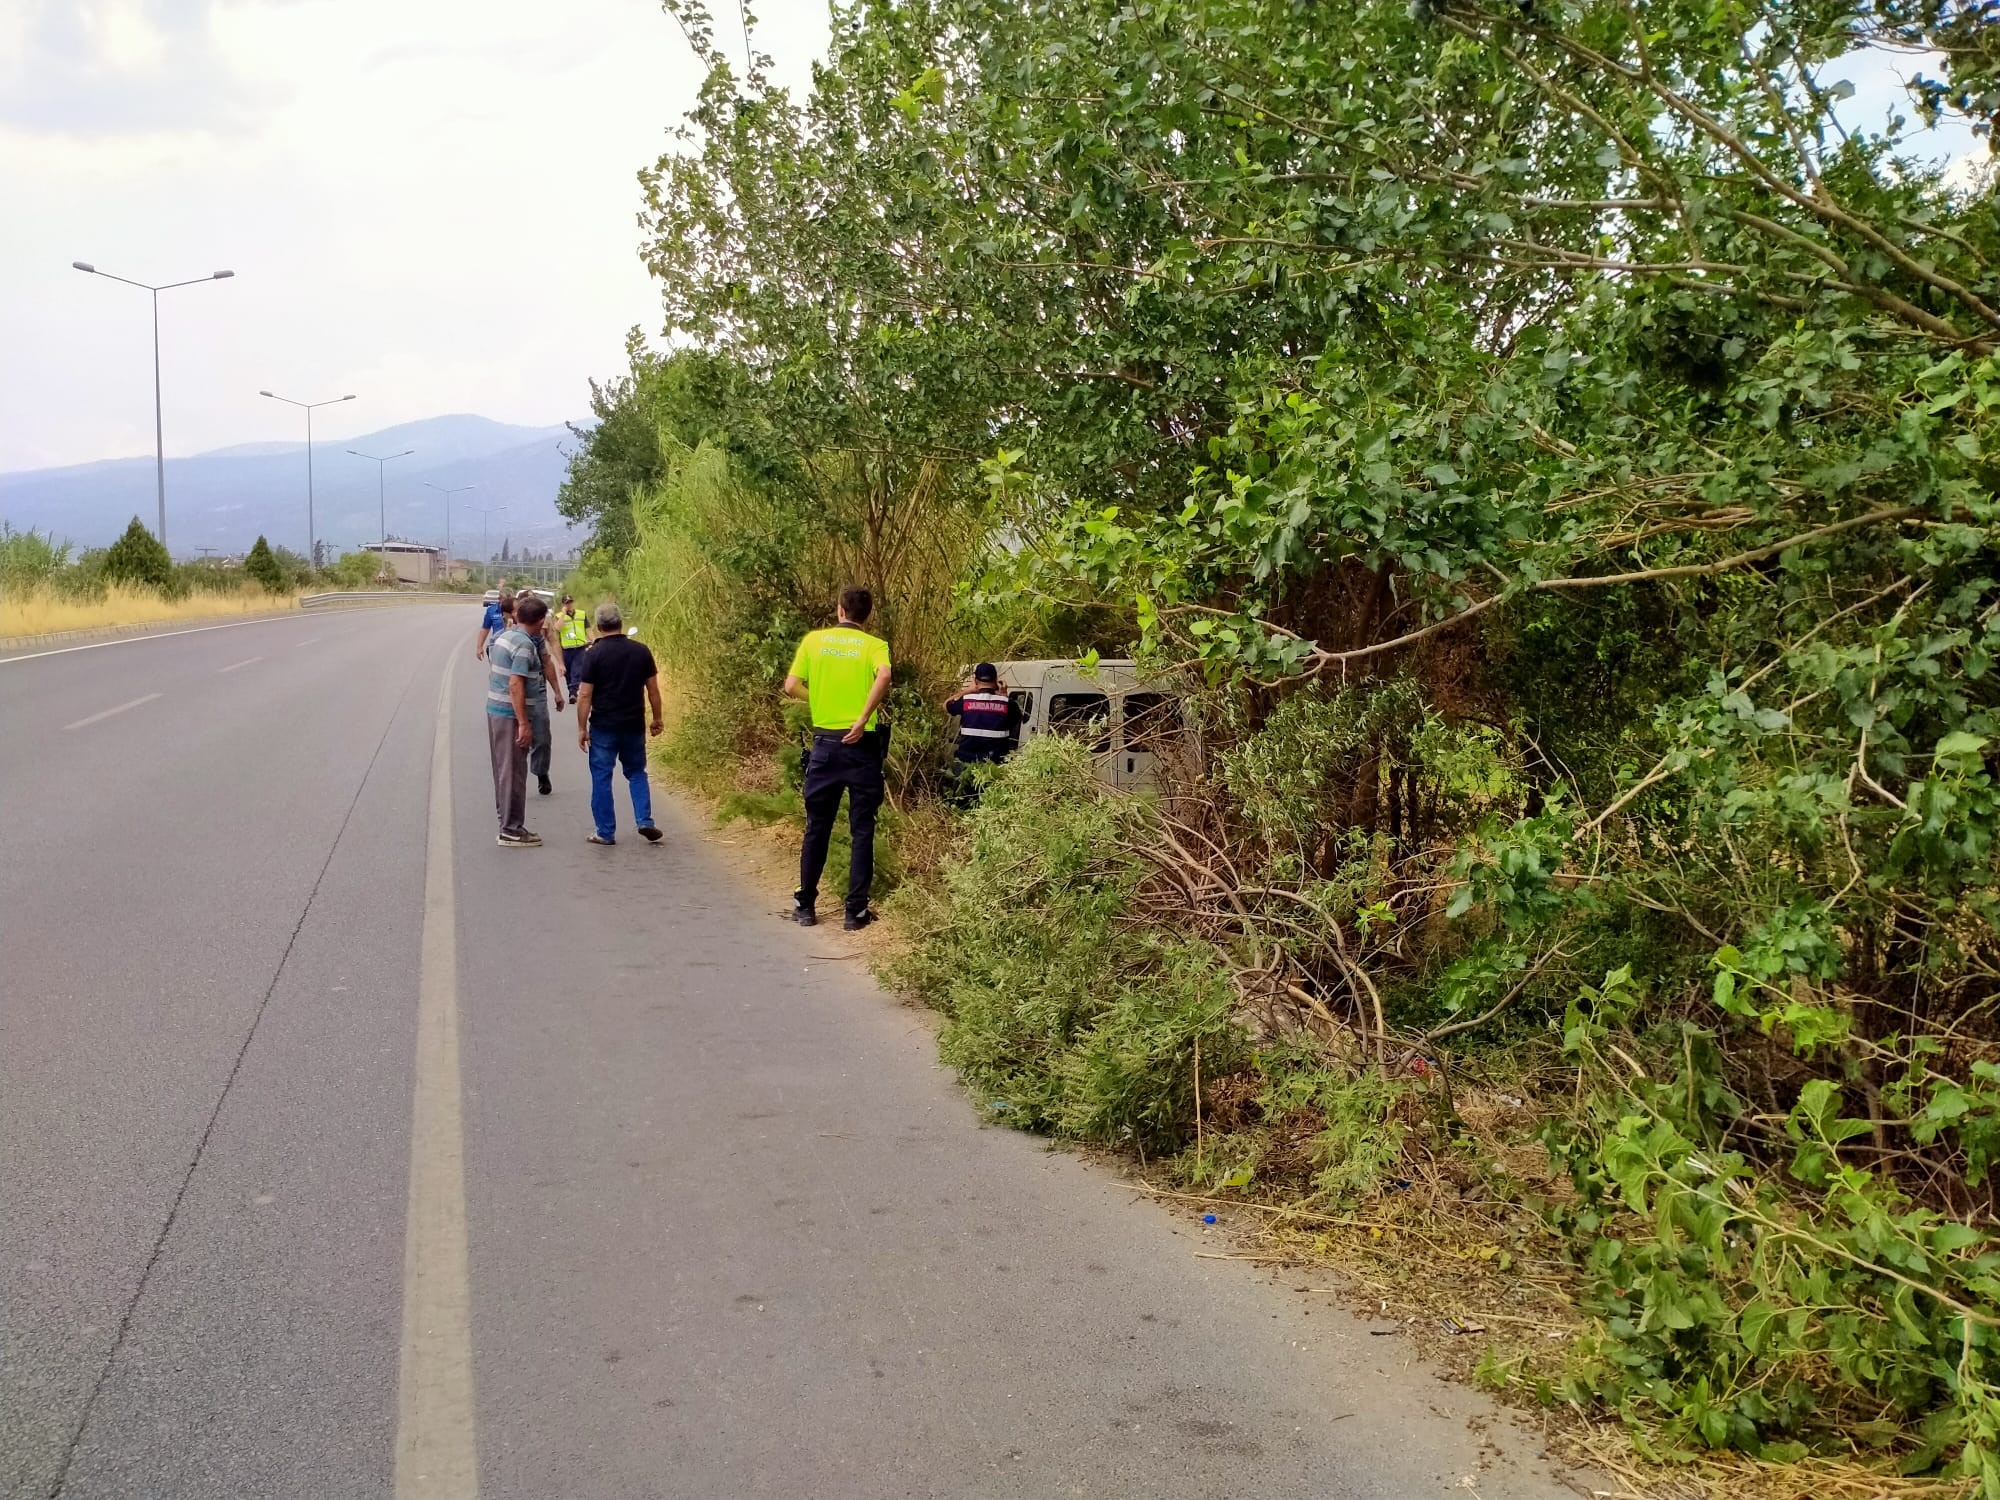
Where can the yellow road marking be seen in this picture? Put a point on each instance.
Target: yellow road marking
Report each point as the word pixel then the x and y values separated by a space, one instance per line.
pixel 436 1458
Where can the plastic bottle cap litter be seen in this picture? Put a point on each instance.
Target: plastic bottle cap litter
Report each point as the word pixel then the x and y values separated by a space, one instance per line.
pixel 1208 1218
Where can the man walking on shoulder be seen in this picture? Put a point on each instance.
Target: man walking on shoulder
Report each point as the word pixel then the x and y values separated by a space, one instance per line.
pixel 611 724
pixel 844 674
pixel 514 688
pixel 542 747
pixel 574 633
pixel 492 621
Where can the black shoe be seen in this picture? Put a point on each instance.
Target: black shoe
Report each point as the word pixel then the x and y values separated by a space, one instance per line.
pixel 651 834
pixel 805 916
pixel 542 785
pixel 856 920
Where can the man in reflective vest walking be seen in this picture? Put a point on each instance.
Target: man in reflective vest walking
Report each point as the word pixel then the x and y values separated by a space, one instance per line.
pixel 573 631
pixel 843 673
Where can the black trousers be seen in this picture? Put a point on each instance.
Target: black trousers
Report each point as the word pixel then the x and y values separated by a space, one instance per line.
pixel 833 768
pixel 962 791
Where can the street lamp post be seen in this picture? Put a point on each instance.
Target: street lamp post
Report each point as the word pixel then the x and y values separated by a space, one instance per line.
pixel 485 544
pixel 448 493
pixel 381 504
pixel 159 433
pixel 312 532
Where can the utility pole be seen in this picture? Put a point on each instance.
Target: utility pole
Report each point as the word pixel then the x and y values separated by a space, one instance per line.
pixel 485 545
pixel 159 431
pixel 312 532
pixel 381 505
pixel 448 493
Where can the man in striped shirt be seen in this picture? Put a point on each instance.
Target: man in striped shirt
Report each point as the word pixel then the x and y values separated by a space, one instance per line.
pixel 989 729
pixel 516 685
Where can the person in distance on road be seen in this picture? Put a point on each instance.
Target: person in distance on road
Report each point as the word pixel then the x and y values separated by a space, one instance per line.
pixel 573 632
pixel 515 680
pixel 843 673
pixel 989 730
pixel 492 622
pixel 613 678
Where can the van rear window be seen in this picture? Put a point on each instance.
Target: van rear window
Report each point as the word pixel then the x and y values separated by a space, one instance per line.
pixel 1080 714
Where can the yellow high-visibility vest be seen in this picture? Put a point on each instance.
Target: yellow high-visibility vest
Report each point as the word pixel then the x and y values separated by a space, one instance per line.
pixel 573 630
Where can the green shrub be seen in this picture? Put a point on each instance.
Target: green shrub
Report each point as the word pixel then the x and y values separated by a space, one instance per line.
pixel 30 559
pixel 139 557
pixel 1062 1015
pixel 1730 1314
pixel 263 567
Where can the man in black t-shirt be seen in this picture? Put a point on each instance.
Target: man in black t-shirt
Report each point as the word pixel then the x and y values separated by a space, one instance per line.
pixel 614 675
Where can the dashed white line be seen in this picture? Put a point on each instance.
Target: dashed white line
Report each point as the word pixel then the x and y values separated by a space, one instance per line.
pixel 308 641
pixel 95 718
pixel 247 661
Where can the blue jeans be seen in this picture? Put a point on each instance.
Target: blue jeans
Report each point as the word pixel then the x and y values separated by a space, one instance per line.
pixel 609 747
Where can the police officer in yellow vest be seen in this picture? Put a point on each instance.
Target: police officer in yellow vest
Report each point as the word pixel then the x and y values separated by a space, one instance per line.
pixel 844 674
pixel 574 634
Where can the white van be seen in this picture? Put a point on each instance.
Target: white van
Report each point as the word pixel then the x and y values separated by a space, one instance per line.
pixel 1130 723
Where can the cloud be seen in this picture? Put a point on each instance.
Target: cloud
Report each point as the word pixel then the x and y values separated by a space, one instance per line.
pixel 91 69
pixel 430 203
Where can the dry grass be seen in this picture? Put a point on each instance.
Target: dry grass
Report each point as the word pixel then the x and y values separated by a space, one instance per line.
pixel 38 613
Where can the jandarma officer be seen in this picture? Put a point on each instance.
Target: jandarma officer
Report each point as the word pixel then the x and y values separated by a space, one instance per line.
pixel 843 673
pixel 989 730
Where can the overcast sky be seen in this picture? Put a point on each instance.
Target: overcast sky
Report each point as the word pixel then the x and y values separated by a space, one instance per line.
pixel 429 203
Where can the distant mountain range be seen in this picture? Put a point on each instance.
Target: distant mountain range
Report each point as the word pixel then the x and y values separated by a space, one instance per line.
pixel 226 499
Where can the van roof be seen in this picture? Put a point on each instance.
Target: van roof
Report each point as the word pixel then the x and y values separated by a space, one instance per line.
pixel 1045 662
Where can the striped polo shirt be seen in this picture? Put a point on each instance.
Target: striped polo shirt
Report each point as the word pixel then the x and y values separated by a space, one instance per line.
pixel 510 654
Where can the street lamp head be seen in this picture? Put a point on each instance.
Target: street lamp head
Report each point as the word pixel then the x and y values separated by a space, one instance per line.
pixel 347 398
pixel 267 393
pixel 222 275
pixel 84 265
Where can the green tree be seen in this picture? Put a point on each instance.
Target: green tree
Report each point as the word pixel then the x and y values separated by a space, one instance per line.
pixel 262 566
pixel 138 557
pixel 355 570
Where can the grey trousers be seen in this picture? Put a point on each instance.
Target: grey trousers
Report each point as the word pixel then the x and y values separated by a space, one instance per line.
pixel 510 772
pixel 538 749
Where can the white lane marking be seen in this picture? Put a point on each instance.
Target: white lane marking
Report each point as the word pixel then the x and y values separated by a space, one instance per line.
pixel 133 640
pixel 308 641
pixel 94 718
pixel 247 661
pixel 436 1458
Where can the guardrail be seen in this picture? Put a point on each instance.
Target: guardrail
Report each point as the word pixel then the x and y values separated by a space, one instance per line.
pixel 383 596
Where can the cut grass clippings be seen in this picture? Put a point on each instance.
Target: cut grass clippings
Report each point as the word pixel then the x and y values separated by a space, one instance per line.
pixel 1440 1277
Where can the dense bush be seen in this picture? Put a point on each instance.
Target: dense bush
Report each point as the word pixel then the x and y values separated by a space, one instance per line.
pixel 1062 1014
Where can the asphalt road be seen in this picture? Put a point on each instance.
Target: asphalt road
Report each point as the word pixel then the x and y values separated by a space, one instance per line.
pixel 617 1186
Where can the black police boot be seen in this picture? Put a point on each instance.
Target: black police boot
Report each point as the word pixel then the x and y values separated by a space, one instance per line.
pixel 802 912
pixel 856 920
